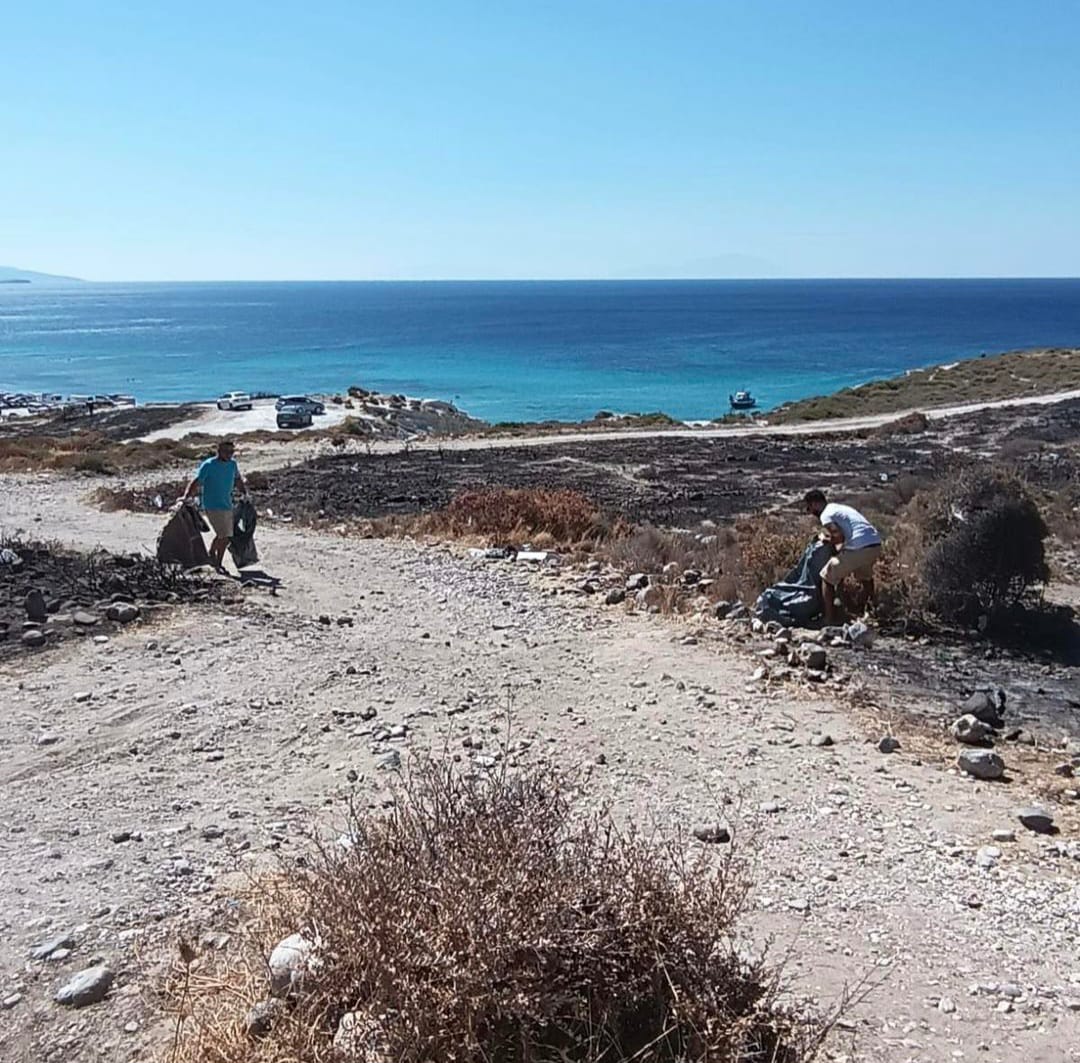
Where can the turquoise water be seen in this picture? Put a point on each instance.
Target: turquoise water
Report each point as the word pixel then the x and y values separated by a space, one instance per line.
pixel 518 350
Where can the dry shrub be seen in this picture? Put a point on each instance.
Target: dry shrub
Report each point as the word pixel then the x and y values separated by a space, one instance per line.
pixel 646 548
pixel 767 549
pixel 519 515
pixel 482 919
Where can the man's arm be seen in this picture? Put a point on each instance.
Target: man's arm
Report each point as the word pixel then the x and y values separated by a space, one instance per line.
pixel 240 485
pixel 192 489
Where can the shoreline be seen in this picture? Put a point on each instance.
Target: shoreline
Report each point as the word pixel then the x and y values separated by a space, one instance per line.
pixel 1035 375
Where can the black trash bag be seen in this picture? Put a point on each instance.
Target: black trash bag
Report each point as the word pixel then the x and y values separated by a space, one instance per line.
pixel 181 542
pixel 796 599
pixel 242 544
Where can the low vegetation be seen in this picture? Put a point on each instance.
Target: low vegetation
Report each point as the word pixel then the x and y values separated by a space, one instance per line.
pixel 1003 376
pixel 490 919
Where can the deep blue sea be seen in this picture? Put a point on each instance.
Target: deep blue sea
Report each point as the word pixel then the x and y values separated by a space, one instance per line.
pixel 518 350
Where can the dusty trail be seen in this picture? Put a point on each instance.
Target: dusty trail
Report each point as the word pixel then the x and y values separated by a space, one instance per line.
pixel 246 720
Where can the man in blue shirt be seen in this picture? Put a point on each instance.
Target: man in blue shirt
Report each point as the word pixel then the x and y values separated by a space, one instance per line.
pixel 215 481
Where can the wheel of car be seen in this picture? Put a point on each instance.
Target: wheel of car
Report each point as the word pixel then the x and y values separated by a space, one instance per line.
pixel 221 405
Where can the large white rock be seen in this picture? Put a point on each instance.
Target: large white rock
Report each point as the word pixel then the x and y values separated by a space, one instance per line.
pixel 292 960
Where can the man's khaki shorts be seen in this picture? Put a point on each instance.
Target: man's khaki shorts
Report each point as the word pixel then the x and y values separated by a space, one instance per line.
pixel 221 521
pixel 859 563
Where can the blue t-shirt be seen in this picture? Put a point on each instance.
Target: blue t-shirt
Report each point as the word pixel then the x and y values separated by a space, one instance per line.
pixel 217 478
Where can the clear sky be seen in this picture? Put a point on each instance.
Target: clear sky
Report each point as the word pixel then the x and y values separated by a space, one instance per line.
pixel 553 138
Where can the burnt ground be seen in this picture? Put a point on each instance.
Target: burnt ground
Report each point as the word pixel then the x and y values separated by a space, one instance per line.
pixel 674 481
pixel 75 583
pixel 116 424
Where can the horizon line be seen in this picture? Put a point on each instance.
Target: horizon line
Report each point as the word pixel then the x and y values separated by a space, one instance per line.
pixel 554 280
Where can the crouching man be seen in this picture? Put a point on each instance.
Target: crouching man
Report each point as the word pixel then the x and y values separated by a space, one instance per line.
pixel 215 480
pixel 858 546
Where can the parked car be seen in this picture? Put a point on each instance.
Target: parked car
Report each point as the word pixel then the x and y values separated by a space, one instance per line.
pixel 293 416
pixel 312 405
pixel 234 400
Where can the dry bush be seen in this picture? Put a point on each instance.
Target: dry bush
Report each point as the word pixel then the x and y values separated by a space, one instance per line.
pixel 646 548
pixel 513 516
pixel 988 549
pixel 482 919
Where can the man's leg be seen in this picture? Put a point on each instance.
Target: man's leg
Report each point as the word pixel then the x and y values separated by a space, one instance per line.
pixel 828 598
pixel 217 551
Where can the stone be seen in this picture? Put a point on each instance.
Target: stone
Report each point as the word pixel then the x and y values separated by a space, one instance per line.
pixel 260 1019
pixel 87 987
pixel 211 832
pixel 770 807
pixel 123 612
pixel 615 596
pixel 859 634
pixel 671 569
pixel 649 597
pixel 981 764
pixel 946 1005
pixel 1003 835
pixel 33 638
pixel 712 834
pixel 636 582
pixel 290 962
pixel 389 761
pixel 988 706
pixel 813 657
pixel 888 744
pixel 120 836
pixel 971 730
pixel 57 944
pixel 10 1001
pixel 84 619
pixel 1036 819
pixel 36 609
pixel 821 740
pixel 987 856
pixel 691 577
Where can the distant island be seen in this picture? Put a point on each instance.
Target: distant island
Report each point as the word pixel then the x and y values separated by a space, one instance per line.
pixel 11 275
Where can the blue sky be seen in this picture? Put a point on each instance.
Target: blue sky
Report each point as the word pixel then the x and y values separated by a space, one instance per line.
pixel 554 139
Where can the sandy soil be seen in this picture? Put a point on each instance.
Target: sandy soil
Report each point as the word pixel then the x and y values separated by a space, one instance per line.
pixel 262 417
pixel 225 733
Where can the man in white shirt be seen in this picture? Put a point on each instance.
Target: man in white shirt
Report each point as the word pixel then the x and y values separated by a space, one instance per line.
pixel 858 546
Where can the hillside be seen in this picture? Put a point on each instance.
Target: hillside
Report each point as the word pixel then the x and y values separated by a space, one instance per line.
pixel 1016 374
pixel 11 275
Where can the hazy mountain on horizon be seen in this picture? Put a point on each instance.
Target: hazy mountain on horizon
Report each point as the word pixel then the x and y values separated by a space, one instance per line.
pixel 10 273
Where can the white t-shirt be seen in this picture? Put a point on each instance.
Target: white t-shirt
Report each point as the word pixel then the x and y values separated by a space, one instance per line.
pixel 858 531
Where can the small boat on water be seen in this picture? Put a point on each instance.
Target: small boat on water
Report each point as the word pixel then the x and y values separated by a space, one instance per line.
pixel 742 400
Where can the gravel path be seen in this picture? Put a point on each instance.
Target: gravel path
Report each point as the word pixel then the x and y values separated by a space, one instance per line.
pixel 180 751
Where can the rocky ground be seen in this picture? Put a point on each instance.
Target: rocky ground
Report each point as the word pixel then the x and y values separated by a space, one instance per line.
pixel 192 745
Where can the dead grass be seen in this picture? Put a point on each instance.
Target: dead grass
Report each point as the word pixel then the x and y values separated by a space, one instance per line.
pixel 92 452
pixel 486 919
pixel 1004 376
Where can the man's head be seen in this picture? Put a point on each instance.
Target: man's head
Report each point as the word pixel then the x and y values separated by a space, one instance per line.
pixel 815 501
pixel 225 449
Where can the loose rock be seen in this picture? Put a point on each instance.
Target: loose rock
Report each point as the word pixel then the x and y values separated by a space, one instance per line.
pixel 261 1017
pixel 971 730
pixel 1036 819
pixel 888 744
pixel 981 764
pixel 712 834
pixel 85 988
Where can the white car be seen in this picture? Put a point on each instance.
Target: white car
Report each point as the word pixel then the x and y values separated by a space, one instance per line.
pixel 234 400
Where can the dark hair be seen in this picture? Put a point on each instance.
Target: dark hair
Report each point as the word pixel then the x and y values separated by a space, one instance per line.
pixel 816 495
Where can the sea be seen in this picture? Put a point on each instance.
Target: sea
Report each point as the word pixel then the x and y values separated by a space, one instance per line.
pixel 517 351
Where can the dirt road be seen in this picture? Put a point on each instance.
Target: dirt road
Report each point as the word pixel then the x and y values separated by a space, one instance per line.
pixel 180 751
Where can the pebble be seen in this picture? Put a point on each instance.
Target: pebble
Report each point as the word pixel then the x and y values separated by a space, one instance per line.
pixel 971 730
pixel 946 1005
pixel 47 949
pixel 33 638
pixel 712 834
pixel 1002 834
pixel 212 831
pixel 10 1001
pixel 87 987
pixel 987 856
pixel 122 612
pixel 821 740
pixel 389 761
pixel 84 618
pixel 888 744
pixel 261 1017
pixel 770 807
pixel 981 764
pixel 82 696
pixel 1036 819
